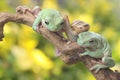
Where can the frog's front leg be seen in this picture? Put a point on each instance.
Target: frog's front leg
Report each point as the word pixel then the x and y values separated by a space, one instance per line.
pixel 83 54
pixel 37 23
pixel 107 62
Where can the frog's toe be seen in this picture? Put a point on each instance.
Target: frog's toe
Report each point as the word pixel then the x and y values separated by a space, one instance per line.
pixel 94 67
pixel 97 70
pixel 98 67
pixel 82 54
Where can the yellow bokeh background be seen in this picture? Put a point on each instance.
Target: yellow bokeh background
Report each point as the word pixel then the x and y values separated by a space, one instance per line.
pixel 26 55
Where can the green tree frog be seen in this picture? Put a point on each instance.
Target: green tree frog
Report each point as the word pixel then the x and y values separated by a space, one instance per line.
pixel 50 19
pixel 96 46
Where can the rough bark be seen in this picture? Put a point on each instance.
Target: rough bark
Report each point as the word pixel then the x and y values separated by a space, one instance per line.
pixel 69 51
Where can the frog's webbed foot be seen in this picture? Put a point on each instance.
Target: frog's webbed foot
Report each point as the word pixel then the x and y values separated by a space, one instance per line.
pixel 23 9
pixel 97 67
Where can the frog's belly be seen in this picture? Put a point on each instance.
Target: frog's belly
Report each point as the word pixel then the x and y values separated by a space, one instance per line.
pixel 96 54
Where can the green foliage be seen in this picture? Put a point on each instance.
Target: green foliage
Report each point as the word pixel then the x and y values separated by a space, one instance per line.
pixel 26 55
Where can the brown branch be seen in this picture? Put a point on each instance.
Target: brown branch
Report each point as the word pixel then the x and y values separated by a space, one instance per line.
pixel 69 51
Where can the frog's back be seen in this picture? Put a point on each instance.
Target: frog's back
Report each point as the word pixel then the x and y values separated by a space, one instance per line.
pixel 104 45
pixel 49 12
pixel 103 48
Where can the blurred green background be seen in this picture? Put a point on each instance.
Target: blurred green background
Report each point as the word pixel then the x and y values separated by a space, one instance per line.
pixel 26 55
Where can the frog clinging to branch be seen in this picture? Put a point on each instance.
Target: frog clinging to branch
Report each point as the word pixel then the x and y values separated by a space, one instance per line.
pixel 49 18
pixel 96 46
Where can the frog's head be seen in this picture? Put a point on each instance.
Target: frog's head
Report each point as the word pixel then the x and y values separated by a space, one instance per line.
pixel 88 39
pixel 53 20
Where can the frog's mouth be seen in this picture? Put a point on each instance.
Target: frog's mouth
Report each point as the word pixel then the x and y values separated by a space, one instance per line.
pixel 55 29
pixel 91 48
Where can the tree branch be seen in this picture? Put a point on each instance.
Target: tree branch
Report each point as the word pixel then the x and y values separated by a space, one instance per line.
pixel 70 51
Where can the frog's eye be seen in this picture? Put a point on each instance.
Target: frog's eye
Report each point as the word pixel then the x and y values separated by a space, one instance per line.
pixel 91 41
pixel 46 22
pixel 61 23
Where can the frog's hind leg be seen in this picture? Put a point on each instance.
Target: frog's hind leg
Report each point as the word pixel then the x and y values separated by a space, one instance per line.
pixel 107 62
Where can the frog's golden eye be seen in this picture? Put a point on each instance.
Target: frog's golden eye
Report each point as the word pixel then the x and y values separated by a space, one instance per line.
pixel 46 22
